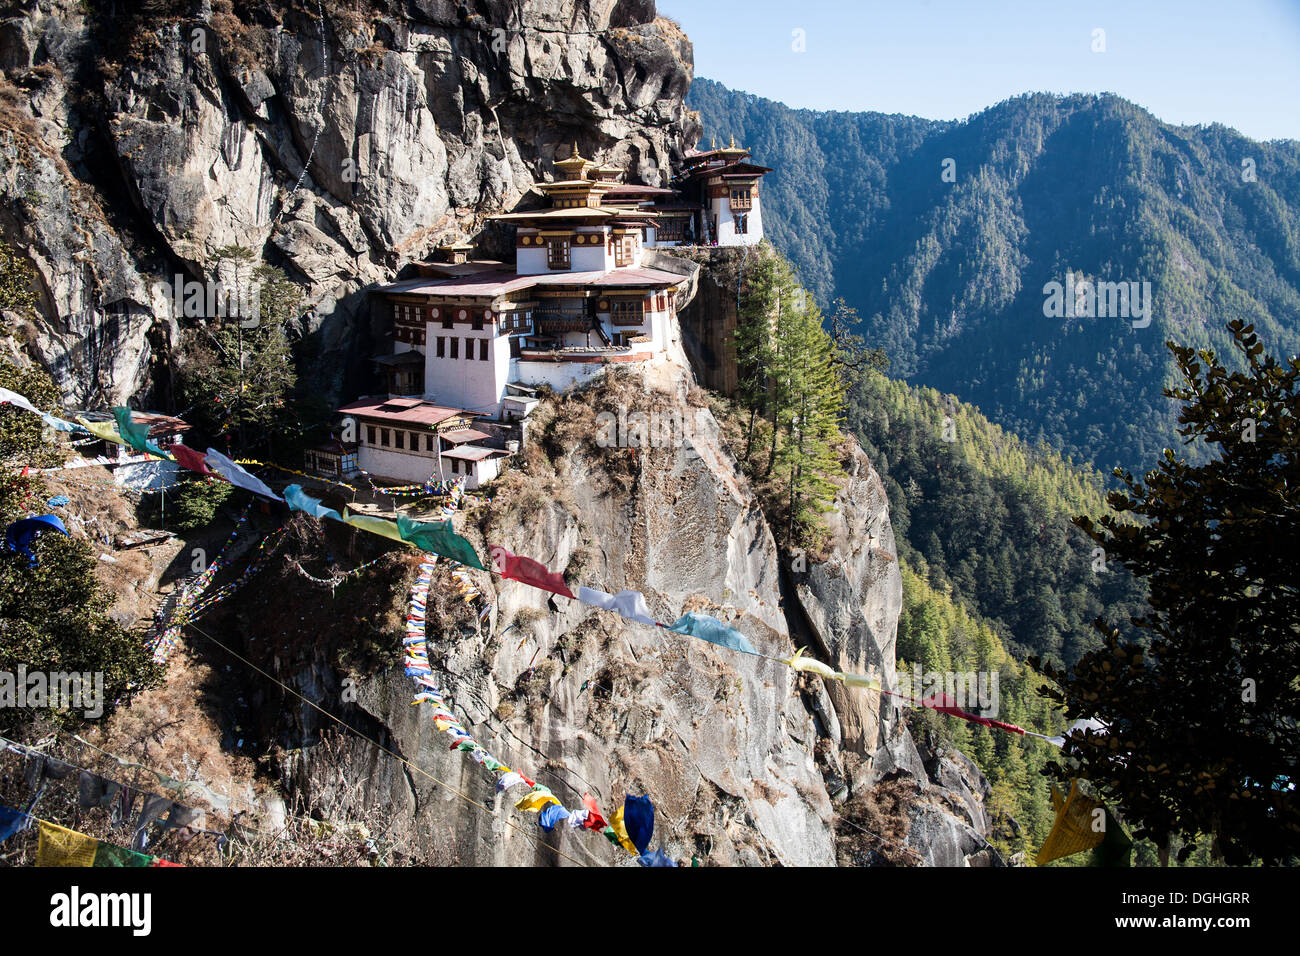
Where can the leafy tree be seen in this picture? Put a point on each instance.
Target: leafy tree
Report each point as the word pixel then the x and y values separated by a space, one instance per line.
pixel 789 377
pixel 53 615
pixel 23 437
pixel 240 376
pixel 196 503
pixel 1202 725
pixel 850 351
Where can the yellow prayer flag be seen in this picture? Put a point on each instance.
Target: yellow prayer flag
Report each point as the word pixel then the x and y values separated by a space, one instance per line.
pixel 374 525
pixel 104 430
pixel 58 846
pixel 620 831
pixel 858 680
pixel 1074 829
pixel 534 800
pixel 807 664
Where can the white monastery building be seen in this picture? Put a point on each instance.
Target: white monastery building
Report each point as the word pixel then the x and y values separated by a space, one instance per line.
pixel 473 338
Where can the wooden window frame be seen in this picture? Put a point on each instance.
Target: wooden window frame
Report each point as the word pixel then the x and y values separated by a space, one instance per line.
pixel 559 254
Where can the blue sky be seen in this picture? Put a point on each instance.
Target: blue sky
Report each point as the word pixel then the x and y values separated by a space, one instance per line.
pixel 1236 62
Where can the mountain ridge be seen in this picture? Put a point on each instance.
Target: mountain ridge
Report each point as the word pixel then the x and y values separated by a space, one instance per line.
pixel 948 274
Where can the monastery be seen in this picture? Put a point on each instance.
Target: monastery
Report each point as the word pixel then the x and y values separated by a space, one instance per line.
pixel 473 339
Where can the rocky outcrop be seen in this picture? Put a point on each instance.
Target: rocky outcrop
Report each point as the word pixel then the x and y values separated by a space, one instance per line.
pixel 135 147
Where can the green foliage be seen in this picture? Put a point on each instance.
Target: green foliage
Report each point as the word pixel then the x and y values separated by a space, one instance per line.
pixel 54 616
pixel 788 375
pixel 16 293
pixel 1202 722
pixel 195 504
pixel 949 276
pixel 936 633
pixel 24 439
pixel 988 517
pixel 240 375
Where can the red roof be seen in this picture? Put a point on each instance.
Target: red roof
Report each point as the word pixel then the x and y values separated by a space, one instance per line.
pixel 407 411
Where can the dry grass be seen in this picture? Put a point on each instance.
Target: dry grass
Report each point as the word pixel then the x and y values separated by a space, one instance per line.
pixel 873 825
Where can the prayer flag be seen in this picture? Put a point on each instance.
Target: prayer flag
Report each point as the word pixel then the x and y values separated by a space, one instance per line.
pixel 712 630
pixel 1076 827
pixel 59 846
pixel 300 501
pixel 437 537
pixel 237 476
pixel 552 814
pixel 191 459
pixel 639 819
pixel 381 526
pixel 630 604
pixel 620 831
pixel 531 572
pixel 135 433
pixel 535 799
pixel 594 820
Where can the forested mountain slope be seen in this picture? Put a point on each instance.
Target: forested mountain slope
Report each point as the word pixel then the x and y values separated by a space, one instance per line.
pixel 949 276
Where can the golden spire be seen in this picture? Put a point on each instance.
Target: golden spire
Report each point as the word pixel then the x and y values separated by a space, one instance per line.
pixel 713 143
pixel 733 140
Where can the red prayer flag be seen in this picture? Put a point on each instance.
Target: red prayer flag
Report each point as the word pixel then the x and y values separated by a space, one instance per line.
pixel 594 820
pixel 946 705
pixel 189 458
pixel 158 861
pixel 511 565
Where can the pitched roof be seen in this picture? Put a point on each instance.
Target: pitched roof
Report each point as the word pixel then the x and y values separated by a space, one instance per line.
pixel 463 435
pixel 406 411
pixel 501 282
pixel 473 452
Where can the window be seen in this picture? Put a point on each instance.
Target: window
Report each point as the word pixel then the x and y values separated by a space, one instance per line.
pixel 742 225
pixel 469 348
pixel 482 350
pixel 626 312
pixel 740 197
pixel 370 434
pixel 383 437
pixel 442 346
pixel 455 347
pixel 478 323
pixel 428 443
pixel 557 253
pixel 625 251
pixel 455 466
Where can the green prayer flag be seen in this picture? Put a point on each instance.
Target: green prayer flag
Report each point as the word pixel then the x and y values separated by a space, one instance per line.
pixel 437 537
pixel 108 855
pixel 135 434
pixel 1115 848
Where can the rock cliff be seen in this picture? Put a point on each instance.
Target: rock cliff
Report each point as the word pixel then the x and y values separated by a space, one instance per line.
pixel 337 141
pixel 341 145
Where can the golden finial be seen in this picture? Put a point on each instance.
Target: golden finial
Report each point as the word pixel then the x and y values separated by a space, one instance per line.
pixel 574 154
pixel 733 140
pixel 713 143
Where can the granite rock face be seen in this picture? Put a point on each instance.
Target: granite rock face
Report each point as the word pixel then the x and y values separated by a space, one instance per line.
pixel 133 150
pixel 340 148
